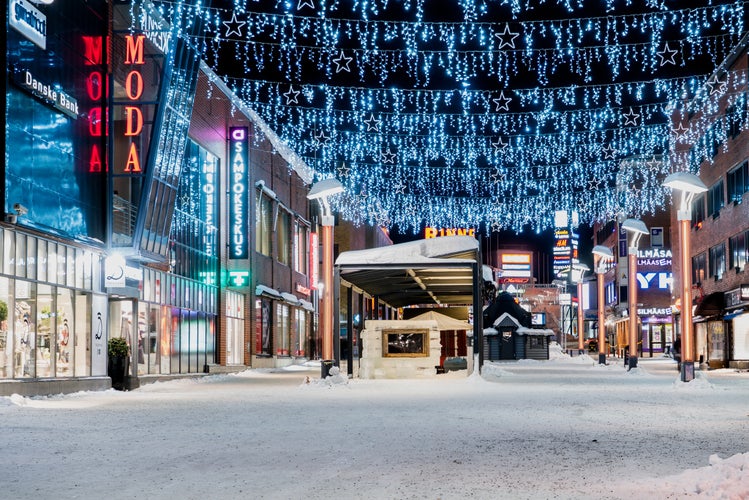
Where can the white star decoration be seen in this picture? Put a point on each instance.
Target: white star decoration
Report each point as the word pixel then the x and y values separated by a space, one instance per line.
pixel 594 184
pixel 509 41
pixel 373 124
pixel 305 3
pixel 502 102
pixel 233 26
pixel 608 152
pixel 291 96
pixel 399 187
pixel 671 55
pixel 388 156
pixel 342 62
pixel 716 85
pixel 679 131
pixel 343 170
pixel 321 138
pixel 500 145
pixel 631 117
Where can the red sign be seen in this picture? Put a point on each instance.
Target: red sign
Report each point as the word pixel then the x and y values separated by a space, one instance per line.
pixel 314 257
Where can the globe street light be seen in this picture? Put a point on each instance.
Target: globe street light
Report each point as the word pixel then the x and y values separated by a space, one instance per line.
pixel 635 228
pixel 601 255
pixel 690 186
pixel 320 191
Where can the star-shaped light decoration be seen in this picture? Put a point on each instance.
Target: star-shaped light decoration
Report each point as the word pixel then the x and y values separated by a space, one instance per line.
pixel 667 55
pixel 494 177
pixel 679 131
pixel 500 144
pixel 321 138
pixel 653 165
pixel 496 226
pixel 291 96
pixel 399 187
pixel 388 156
pixel 233 26
pixel 630 117
pixel 608 152
pixel 502 102
pixel 343 171
pixel 373 124
pixel 506 38
pixel 342 62
pixel 594 184
pixel 717 85
pixel 304 3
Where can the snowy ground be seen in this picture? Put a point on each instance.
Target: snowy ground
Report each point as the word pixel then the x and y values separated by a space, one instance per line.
pixel 564 429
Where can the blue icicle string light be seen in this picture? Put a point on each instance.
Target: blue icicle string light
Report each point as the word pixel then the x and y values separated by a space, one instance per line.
pixel 490 114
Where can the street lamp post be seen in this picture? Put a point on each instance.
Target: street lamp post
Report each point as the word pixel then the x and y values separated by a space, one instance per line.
pixel 690 185
pixel 635 228
pixel 320 191
pixel 601 255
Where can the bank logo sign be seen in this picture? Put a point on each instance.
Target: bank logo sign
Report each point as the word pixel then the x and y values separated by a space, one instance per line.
pixel 27 20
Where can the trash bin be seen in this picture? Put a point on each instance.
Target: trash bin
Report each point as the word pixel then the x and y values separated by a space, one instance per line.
pixel 325 367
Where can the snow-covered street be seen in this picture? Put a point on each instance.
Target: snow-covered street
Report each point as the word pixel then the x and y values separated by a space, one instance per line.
pixel 566 429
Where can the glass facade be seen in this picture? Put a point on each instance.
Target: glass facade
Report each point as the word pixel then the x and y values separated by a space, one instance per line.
pixel 51 101
pixel 45 307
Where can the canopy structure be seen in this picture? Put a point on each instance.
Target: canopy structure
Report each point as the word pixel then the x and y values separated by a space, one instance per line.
pixel 444 322
pixel 436 271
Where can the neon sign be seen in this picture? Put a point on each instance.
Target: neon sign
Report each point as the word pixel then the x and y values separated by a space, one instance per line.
pixel 96 89
pixel 433 232
pixel 238 193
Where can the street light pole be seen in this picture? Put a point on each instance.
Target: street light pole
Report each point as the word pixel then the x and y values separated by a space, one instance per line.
pixel 690 185
pixel 601 255
pixel 578 274
pixel 320 192
pixel 635 228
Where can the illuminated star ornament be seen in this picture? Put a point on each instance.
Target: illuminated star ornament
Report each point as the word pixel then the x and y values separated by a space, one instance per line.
pixel 343 170
pixel 233 26
pixel 321 138
pixel 609 153
pixel 679 131
pixel 502 102
pixel 667 55
pixel 500 144
pixel 630 117
pixel 342 62
pixel 373 124
pixel 291 96
pixel 305 3
pixel 717 85
pixel 506 38
pixel 388 156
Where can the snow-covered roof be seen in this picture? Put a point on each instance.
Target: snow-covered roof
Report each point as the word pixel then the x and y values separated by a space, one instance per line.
pixel 414 252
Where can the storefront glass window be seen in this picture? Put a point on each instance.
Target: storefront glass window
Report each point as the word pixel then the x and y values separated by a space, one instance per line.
pixel 20 255
pixel 45 327
pixel 263 332
pixel 24 318
pixel 282 329
pixel 6 335
pixel 31 258
pixel 82 342
pixel 41 248
pixel 65 324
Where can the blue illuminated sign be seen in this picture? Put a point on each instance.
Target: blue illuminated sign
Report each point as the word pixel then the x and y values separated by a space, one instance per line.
pixel 238 201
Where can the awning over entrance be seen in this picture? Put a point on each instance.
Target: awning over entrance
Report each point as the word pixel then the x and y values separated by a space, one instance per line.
pixel 710 305
pixel 436 271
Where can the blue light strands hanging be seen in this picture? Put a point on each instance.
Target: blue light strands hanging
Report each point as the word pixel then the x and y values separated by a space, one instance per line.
pixel 490 118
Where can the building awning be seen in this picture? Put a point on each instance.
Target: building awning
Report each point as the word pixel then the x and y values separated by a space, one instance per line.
pixel 264 291
pixel 306 305
pixel 733 314
pixel 710 305
pixel 290 298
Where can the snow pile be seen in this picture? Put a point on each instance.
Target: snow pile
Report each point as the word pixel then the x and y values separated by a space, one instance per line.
pixel 722 479
pixel 334 379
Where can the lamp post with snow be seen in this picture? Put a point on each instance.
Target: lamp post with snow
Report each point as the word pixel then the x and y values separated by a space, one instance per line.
pixel 321 191
pixel 601 255
pixel 635 228
pixel 690 186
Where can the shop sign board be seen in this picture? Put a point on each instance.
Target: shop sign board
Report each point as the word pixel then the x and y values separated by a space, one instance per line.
pixel 29 21
pixel 238 201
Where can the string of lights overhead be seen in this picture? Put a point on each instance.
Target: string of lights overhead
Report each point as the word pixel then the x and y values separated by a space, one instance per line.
pixel 490 114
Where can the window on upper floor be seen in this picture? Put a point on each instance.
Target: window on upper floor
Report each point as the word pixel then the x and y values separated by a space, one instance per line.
pixel 264 225
pixel 699 268
pixel 738 247
pixel 715 199
pixel 283 236
pixel 301 238
pixel 717 261
pixel 737 181
pixel 698 211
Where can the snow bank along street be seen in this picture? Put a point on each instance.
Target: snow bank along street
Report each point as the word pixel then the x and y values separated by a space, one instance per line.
pixel 566 428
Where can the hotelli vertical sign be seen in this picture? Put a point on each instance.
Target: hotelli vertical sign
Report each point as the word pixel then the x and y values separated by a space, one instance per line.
pixel 238 160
